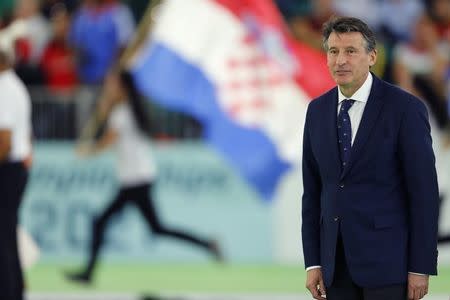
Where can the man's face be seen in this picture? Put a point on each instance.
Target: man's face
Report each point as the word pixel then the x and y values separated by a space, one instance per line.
pixel 348 60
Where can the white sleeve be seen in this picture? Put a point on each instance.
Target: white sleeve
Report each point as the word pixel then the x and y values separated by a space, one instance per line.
pixel 417 273
pixel 313 267
pixel 7 111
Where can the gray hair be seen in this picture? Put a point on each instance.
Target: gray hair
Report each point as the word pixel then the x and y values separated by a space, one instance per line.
pixel 348 24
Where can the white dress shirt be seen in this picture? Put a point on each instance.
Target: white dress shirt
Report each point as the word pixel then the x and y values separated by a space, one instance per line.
pixel 356 112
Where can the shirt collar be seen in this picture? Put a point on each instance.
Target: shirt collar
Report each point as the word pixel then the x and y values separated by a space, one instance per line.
pixel 362 94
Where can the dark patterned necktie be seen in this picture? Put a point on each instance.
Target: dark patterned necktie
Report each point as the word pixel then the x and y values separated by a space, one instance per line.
pixel 345 131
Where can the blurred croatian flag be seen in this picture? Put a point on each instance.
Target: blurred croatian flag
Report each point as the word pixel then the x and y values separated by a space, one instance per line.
pixel 232 65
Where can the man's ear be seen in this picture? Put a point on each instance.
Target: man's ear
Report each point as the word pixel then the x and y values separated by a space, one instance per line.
pixel 373 57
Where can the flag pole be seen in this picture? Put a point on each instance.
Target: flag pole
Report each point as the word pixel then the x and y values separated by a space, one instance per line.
pixel 101 112
pixel 141 33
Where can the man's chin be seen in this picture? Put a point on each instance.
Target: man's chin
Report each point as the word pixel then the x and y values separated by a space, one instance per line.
pixel 342 81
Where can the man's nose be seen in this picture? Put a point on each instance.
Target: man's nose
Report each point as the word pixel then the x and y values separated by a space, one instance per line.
pixel 341 58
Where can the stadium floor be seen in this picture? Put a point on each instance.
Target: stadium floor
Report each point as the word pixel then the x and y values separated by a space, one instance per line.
pixel 186 282
pixel 168 297
pixel 186 297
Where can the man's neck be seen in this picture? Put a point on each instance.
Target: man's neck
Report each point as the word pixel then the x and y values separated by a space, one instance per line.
pixel 349 90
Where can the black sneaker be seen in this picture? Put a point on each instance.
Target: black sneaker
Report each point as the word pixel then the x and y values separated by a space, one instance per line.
pixel 82 278
pixel 216 251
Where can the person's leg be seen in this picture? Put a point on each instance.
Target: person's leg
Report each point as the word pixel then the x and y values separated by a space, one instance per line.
pixel 392 292
pixel 21 182
pixel 13 177
pixel 18 284
pixel 343 287
pixel 97 235
pixel 8 274
pixel 142 198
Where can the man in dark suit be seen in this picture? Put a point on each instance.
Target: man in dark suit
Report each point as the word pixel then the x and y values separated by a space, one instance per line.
pixel 370 202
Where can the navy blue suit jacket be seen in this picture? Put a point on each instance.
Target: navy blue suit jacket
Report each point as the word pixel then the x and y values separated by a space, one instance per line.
pixel 384 202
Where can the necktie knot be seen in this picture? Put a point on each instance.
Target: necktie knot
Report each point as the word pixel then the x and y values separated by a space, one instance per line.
pixel 346 104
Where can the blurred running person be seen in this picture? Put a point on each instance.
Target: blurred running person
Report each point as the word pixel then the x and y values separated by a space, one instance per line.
pixel 127 127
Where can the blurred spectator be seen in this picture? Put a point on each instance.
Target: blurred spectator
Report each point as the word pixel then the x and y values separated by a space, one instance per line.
pixel 15 158
pixel 291 8
pixel 440 12
pixel 138 7
pixel 38 29
pixel 101 29
pixel 398 18
pixel 29 49
pixel 366 10
pixel 58 61
pixel 307 26
pixel 420 67
pixel 5 7
pixel 47 6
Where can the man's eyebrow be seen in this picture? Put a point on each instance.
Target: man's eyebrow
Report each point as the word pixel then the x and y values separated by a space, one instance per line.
pixel 347 47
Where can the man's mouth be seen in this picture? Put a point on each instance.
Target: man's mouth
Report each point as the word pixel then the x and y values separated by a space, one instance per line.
pixel 342 72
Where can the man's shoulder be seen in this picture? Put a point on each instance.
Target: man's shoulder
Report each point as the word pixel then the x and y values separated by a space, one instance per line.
pixel 326 98
pixel 398 96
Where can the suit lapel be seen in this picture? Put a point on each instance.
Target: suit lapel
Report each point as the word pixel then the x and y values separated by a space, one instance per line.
pixel 331 129
pixel 369 117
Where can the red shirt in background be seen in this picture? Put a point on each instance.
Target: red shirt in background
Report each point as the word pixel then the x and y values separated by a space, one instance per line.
pixel 59 67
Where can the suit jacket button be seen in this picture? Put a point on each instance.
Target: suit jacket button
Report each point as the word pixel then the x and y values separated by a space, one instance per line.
pixel 336 218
